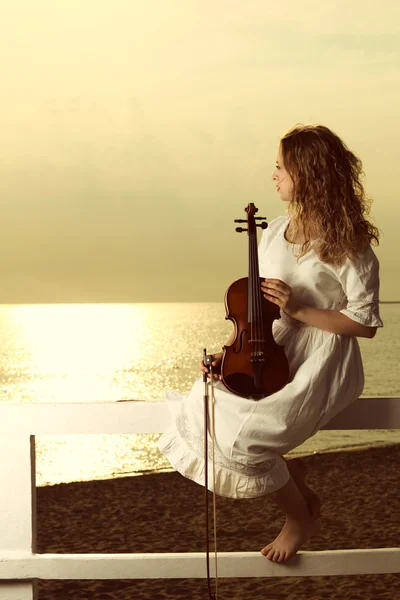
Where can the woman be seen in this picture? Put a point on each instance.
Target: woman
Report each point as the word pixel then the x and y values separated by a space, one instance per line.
pixel 319 268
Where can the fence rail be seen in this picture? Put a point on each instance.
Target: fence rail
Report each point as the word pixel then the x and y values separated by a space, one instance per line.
pixel 151 417
pixel 191 565
pixel 21 566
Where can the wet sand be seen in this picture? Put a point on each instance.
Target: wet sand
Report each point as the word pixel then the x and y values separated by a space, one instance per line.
pixel 164 513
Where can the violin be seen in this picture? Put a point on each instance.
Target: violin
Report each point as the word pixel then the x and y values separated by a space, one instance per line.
pixel 254 365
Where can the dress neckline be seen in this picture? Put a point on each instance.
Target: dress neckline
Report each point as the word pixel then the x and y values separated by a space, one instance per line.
pixel 296 245
pixel 285 232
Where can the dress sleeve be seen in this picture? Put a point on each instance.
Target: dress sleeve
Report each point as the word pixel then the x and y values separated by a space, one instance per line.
pixel 360 282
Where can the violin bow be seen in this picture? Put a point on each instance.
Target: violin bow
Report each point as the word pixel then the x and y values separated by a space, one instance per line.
pixel 208 363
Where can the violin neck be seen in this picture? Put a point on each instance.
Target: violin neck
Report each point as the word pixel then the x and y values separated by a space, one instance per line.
pixel 254 289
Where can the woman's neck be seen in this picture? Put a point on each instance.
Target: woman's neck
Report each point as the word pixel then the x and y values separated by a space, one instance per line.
pixel 295 233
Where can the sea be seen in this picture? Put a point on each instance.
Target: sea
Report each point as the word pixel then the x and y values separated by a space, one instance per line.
pixel 112 352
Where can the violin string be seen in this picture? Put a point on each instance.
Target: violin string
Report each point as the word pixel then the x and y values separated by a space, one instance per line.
pixel 252 334
pixel 259 303
pixel 255 292
pixel 250 293
pixel 256 315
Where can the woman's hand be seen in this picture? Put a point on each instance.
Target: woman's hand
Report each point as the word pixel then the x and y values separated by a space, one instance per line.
pixel 280 293
pixel 216 365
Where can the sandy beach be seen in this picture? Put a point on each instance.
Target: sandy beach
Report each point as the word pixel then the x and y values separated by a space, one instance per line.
pixel 164 513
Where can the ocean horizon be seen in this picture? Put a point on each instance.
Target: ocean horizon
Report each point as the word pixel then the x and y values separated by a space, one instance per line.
pixel 121 351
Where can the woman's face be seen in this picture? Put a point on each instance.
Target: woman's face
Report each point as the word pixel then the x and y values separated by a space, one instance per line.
pixel 283 181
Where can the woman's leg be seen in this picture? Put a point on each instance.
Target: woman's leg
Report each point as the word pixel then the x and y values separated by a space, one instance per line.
pixel 297 470
pixel 299 525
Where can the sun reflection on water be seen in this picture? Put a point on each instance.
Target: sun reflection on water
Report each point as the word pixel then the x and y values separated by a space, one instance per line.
pixel 105 352
pixel 75 352
pixel 81 337
pixel 88 352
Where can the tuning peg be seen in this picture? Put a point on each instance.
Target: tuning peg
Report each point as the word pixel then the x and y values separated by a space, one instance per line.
pixel 240 221
pixel 263 225
pixel 260 218
pixel 240 229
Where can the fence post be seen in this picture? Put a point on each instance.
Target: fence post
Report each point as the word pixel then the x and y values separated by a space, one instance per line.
pixel 18 591
pixel 18 507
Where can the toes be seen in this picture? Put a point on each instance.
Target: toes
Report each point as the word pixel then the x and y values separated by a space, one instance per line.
pixel 275 555
pixel 272 555
pixel 268 552
pixel 281 556
pixel 265 550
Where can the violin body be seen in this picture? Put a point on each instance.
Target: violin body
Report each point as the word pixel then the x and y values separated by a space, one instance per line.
pixel 254 365
pixel 239 372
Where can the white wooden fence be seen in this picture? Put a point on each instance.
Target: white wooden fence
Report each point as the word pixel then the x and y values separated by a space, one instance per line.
pixel 21 566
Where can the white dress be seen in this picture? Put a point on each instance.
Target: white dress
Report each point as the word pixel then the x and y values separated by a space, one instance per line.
pixel 326 375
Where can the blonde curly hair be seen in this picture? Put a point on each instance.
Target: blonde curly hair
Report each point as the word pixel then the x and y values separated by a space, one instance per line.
pixel 328 199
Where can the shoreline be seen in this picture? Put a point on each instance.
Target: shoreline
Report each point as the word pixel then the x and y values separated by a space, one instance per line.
pixel 163 512
pixel 292 454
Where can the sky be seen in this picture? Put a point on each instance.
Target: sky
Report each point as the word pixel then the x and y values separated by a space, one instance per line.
pixel 134 132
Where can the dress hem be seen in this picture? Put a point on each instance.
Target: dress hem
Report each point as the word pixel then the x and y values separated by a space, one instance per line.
pixel 228 483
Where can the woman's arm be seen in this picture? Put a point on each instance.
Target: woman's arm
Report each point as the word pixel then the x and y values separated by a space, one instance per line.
pixel 333 321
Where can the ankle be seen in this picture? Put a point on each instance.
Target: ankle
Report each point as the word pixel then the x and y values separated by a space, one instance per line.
pixel 292 501
pixel 298 521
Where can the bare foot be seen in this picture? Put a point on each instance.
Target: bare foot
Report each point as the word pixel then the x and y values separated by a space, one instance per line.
pixel 302 522
pixel 297 470
pixel 293 535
